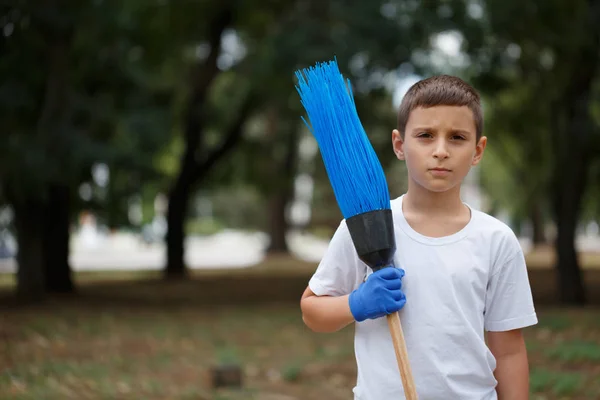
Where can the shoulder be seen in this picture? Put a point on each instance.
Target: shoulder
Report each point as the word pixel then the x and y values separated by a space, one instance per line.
pixel 340 271
pixel 342 233
pixel 496 236
pixel 488 225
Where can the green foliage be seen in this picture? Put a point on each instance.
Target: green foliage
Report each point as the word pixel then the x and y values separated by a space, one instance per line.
pixel 111 109
pixel 524 65
pixel 124 72
pixel 575 351
pixel 228 355
pixel 239 206
pixel 203 226
pixel 559 383
pixel 291 372
pixel 374 43
pixel 555 323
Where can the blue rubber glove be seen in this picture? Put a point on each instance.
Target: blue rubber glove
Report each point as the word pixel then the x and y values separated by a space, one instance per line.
pixel 380 295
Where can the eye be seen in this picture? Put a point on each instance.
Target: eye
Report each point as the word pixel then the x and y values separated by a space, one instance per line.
pixel 458 137
pixel 424 135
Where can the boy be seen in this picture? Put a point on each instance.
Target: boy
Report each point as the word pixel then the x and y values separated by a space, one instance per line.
pixel 458 272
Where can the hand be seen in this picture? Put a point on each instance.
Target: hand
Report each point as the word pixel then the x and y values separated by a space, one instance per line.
pixel 381 294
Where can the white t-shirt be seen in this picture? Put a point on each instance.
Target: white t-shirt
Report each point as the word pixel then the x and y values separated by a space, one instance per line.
pixel 456 287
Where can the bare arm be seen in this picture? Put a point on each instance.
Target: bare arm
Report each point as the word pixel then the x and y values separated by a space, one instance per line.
pixel 512 367
pixel 325 313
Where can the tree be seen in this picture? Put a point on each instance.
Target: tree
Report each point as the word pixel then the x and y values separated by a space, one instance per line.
pixel 67 83
pixel 38 121
pixel 199 157
pixel 365 39
pixel 551 50
pixel 516 170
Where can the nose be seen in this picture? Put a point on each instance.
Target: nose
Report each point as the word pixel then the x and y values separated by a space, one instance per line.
pixel 441 150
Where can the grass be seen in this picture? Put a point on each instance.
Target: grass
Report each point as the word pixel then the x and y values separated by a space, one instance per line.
pixel 79 351
pixel 564 352
pixel 142 340
pixel 127 335
pixel 576 351
pixel 555 383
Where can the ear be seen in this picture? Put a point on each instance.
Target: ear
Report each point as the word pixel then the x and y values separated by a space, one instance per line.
pixel 398 144
pixel 479 149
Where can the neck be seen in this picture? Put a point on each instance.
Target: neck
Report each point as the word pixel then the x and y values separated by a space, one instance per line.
pixel 420 200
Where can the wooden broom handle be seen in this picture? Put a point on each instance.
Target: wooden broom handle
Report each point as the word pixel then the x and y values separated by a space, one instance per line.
pixel 408 382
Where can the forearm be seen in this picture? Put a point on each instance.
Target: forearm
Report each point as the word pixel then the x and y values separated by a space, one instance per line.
pixel 326 313
pixel 512 374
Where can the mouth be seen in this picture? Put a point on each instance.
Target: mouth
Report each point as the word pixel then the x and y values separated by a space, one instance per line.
pixel 440 172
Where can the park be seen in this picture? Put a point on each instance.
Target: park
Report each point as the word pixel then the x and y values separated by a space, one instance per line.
pixel 163 206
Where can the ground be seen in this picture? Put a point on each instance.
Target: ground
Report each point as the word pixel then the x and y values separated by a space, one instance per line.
pixel 120 338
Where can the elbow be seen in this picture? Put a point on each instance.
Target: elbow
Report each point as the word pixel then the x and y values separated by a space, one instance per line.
pixel 317 328
pixel 306 319
pixel 312 324
pixel 316 316
pixel 308 323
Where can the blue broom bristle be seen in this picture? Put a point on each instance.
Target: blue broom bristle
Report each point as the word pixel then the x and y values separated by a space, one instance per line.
pixel 355 173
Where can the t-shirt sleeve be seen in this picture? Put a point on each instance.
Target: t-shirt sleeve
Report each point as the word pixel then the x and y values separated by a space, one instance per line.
pixel 509 302
pixel 340 270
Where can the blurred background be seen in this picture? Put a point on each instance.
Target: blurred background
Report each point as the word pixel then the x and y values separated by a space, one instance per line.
pixel 162 205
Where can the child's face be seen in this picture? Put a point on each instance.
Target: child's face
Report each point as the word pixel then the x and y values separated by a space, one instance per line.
pixel 439 146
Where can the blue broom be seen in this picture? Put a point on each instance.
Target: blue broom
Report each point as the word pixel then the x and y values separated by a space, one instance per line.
pixel 357 179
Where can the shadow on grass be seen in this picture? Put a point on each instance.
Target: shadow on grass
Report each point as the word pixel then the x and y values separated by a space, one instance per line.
pixel 279 279
pixel 200 292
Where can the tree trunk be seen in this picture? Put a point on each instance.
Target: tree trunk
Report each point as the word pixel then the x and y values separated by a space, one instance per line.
pixel 283 177
pixel 278 225
pixel 30 237
pixel 192 172
pixel 537 224
pixel 52 127
pixel 278 198
pixel 572 168
pixel 575 151
pixel 56 241
pixel 201 79
pixel 570 280
pixel 176 216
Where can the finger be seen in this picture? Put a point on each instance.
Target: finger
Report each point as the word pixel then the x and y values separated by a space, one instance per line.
pixel 391 273
pixel 392 284
pixel 394 306
pixel 397 295
pixel 401 303
pixel 387 273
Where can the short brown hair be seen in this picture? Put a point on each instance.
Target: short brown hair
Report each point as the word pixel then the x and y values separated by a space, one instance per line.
pixel 441 90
